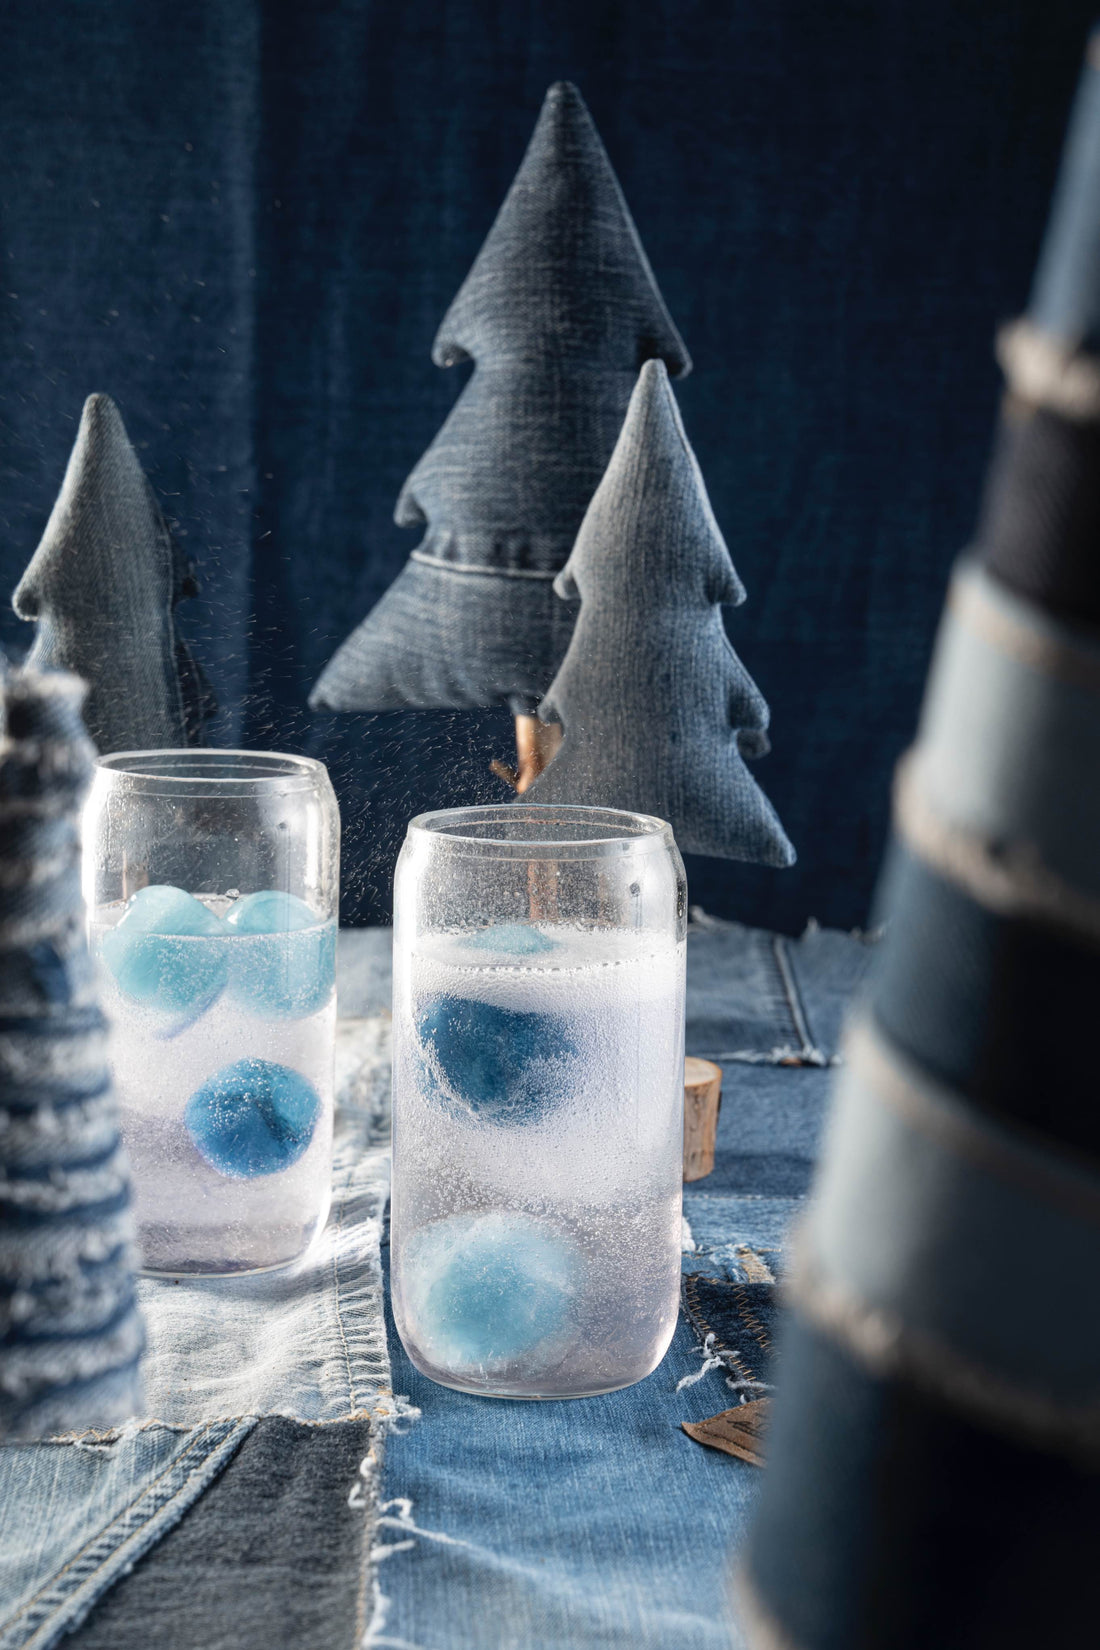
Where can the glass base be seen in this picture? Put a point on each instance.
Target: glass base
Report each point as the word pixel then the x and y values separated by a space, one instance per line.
pixel 196 1254
pixel 487 1389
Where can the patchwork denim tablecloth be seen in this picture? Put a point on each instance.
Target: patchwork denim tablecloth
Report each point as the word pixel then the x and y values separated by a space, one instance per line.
pixel 277 1492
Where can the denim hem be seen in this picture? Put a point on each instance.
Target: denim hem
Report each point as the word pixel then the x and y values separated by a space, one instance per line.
pixel 63 1602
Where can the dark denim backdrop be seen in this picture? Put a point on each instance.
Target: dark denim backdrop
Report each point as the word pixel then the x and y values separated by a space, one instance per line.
pixel 244 220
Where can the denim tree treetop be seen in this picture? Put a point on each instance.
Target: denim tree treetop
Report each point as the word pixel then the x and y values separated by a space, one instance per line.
pixel 557 314
pixel 102 587
pixel 658 711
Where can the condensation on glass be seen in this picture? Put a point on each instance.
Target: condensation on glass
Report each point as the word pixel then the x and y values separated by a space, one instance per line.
pixel 212 885
pixel 538 1097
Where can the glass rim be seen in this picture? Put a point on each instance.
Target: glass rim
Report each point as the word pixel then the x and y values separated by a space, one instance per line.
pixel 595 833
pixel 213 771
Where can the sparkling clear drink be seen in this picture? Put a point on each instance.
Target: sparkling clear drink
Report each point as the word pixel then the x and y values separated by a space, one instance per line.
pixel 538 1129
pixel 223 1016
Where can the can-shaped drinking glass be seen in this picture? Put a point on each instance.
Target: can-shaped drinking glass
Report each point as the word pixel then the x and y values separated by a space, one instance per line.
pixel 538 1097
pixel 212 882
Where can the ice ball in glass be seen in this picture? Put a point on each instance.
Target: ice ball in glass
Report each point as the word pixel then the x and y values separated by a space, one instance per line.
pixel 483 1290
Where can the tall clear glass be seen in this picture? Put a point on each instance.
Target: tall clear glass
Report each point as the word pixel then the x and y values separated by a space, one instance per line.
pixel 537 1097
pixel 212 885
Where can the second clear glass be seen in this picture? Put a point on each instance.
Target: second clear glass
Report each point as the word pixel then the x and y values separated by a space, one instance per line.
pixel 212 881
pixel 538 1098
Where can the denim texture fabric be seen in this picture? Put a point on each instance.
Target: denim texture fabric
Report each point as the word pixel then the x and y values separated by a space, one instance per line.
pixel 281 201
pixel 1065 299
pixel 599 1523
pixel 569 1524
pixel 76 1514
pixel 101 589
pixel 937 1360
pixel 307 1345
pixel 1008 674
pixel 658 711
pixel 992 1005
pixel 272 1554
pixel 558 312
pixel 921 1528
pixel 70 1332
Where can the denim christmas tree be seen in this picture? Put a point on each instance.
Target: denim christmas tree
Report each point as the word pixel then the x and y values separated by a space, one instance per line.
pixel 934 1465
pixel 70 1335
pixel 558 313
pixel 658 711
pixel 102 587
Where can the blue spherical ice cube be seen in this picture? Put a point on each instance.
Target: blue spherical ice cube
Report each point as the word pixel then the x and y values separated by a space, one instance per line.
pixel 503 1065
pixel 167 953
pixel 253 1118
pixel 511 939
pixel 483 1290
pixel 286 966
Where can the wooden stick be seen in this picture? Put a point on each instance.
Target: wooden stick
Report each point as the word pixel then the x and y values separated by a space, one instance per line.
pixel 702 1103
pixel 536 746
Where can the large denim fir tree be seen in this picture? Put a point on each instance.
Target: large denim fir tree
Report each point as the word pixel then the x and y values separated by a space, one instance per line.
pixel 934 1459
pixel 659 712
pixel 558 313
pixel 102 587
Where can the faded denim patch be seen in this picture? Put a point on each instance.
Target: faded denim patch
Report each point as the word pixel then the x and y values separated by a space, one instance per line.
pixel 77 1513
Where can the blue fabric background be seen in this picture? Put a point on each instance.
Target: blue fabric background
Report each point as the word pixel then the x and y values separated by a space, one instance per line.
pixel 245 220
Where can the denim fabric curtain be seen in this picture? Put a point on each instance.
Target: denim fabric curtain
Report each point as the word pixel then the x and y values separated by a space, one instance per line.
pixel 70 1334
pixel 658 711
pixel 244 221
pixel 933 1472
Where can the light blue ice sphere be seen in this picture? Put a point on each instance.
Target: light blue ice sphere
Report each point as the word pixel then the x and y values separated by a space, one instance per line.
pixel 512 939
pixel 287 967
pixel 484 1290
pixel 504 1065
pixel 156 956
pixel 253 1118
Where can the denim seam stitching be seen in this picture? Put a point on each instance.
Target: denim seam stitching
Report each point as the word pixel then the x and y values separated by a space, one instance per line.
pixel 342 1210
pixel 87 1562
pixel 467 569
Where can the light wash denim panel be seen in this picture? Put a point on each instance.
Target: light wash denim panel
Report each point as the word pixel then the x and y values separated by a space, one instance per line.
pixel 70 1333
pixel 101 589
pixel 307 1344
pixel 599 1523
pixel 272 1554
pixel 558 313
pixel 658 711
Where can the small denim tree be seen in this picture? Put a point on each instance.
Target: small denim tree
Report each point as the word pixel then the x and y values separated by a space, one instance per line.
pixel 102 588
pixel 558 313
pixel 70 1333
pixel 658 711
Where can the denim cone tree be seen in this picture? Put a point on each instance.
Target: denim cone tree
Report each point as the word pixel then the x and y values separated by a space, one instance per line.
pixel 70 1334
pixel 102 588
pixel 557 314
pixel 934 1462
pixel 657 709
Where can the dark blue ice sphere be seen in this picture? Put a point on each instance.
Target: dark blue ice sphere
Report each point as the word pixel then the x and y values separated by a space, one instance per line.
pixel 287 967
pixel 253 1117
pixel 482 1290
pixel 503 1065
pixel 157 956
